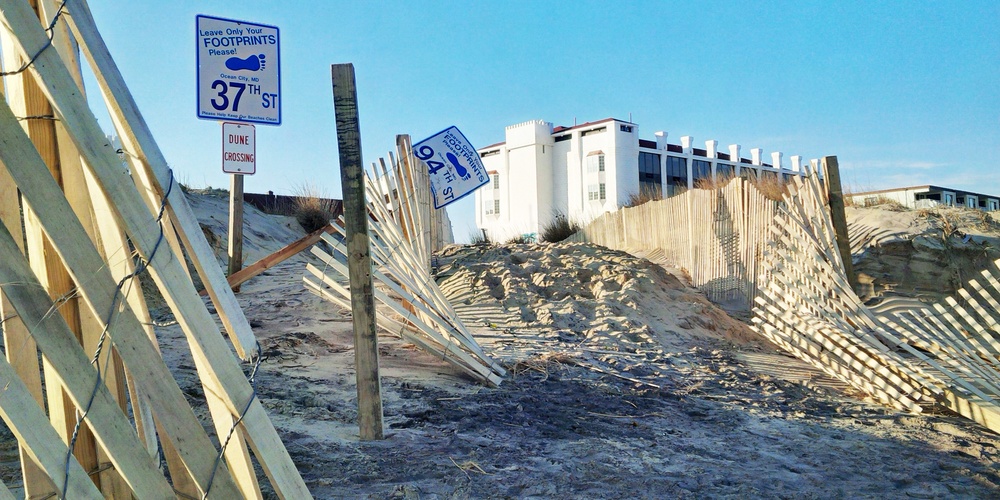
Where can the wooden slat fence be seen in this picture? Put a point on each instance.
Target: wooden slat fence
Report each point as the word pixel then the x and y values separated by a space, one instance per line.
pixel 94 418
pixel 782 259
pixel 716 235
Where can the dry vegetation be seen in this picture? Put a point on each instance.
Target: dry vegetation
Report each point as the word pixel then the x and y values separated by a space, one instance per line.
pixel 312 210
pixel 559 228
pixel 636 199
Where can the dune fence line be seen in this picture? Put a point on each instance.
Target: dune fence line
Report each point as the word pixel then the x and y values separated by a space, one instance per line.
pixel 717 235
pixel 780 260
pixel 404 232
pixel 86 391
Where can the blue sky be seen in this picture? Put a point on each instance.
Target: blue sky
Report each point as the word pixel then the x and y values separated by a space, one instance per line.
pixel 903 93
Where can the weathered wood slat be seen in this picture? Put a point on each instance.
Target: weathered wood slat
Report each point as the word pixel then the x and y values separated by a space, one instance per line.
pixel 218 370
pixel 112 430
pixel 22 415
pixel 138 141
pixel 98 289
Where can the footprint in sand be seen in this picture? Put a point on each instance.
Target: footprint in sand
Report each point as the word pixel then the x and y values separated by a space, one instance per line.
pixel 252 63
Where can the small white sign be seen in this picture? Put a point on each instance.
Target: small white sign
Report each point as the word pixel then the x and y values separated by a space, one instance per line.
pixel 239 148
pixel 454 165
pixel 239 75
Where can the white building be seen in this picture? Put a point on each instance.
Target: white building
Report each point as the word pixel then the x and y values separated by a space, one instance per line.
pixel 928 196
pixel 540 171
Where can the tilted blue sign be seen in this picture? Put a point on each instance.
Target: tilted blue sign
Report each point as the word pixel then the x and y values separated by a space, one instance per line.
pixel 453 164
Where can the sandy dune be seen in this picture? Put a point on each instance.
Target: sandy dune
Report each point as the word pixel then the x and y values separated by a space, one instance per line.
pixel 625 383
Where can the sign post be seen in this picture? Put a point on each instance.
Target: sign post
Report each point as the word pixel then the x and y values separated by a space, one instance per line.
pixel 238 82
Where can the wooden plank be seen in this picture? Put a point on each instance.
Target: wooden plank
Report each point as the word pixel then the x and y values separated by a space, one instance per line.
pixel 448 348
pixel 411 178
pixel 443 327
pixel 345 103
pixel 73 369
pixel 22 415
pixel 219 372
pixel 137 138
pixel 118 255
pixel 405 331
pixel 281 255
pixel 27 100
pixel 406 269
pixel 75 186
pixel 99 290
pixel 235 226
pixel 21 351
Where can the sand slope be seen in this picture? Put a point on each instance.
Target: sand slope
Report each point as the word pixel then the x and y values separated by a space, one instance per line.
pixel 625 383
pixel 925 254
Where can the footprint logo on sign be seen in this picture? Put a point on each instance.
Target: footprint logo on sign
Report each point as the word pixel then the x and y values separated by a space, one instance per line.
pixel 462 171
pixel 252 63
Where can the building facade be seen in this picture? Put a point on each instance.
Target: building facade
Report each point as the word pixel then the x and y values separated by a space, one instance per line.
pixel 928 196
pixel 540 172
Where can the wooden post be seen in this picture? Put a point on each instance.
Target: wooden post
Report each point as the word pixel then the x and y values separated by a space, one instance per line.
pixel 831 170
pixel 345 105
pixel 235 226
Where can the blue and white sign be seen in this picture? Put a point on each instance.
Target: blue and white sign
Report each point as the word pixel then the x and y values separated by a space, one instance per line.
pixel 453 164
pixel 239 75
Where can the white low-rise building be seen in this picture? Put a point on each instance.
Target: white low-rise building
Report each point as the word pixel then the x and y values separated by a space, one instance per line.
pixel 540 172
pixel 928 196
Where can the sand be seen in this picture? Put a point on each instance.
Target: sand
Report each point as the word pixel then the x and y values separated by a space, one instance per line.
pixel 925 254
pixel 625 383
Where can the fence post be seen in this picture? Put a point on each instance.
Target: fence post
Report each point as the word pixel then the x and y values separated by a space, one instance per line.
pixel 831 170
pixel 359 261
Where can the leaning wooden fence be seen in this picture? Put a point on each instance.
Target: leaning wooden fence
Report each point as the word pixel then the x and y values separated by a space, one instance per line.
pixel 402 241
pixel 783 257
pixel 717 235
pixel 94 418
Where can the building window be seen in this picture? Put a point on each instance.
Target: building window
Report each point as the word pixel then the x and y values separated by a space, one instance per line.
pixel 650 178
pixel 701 169
pixel 484 154
pixel 564 137
pixel 626 128
pixel 496 181
pixel 488 207
pixel 496 207
pixel 595 162
pixel 724 171
pixel 677 171
pixel 593 131
pixel 949 199
pixel 596 192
